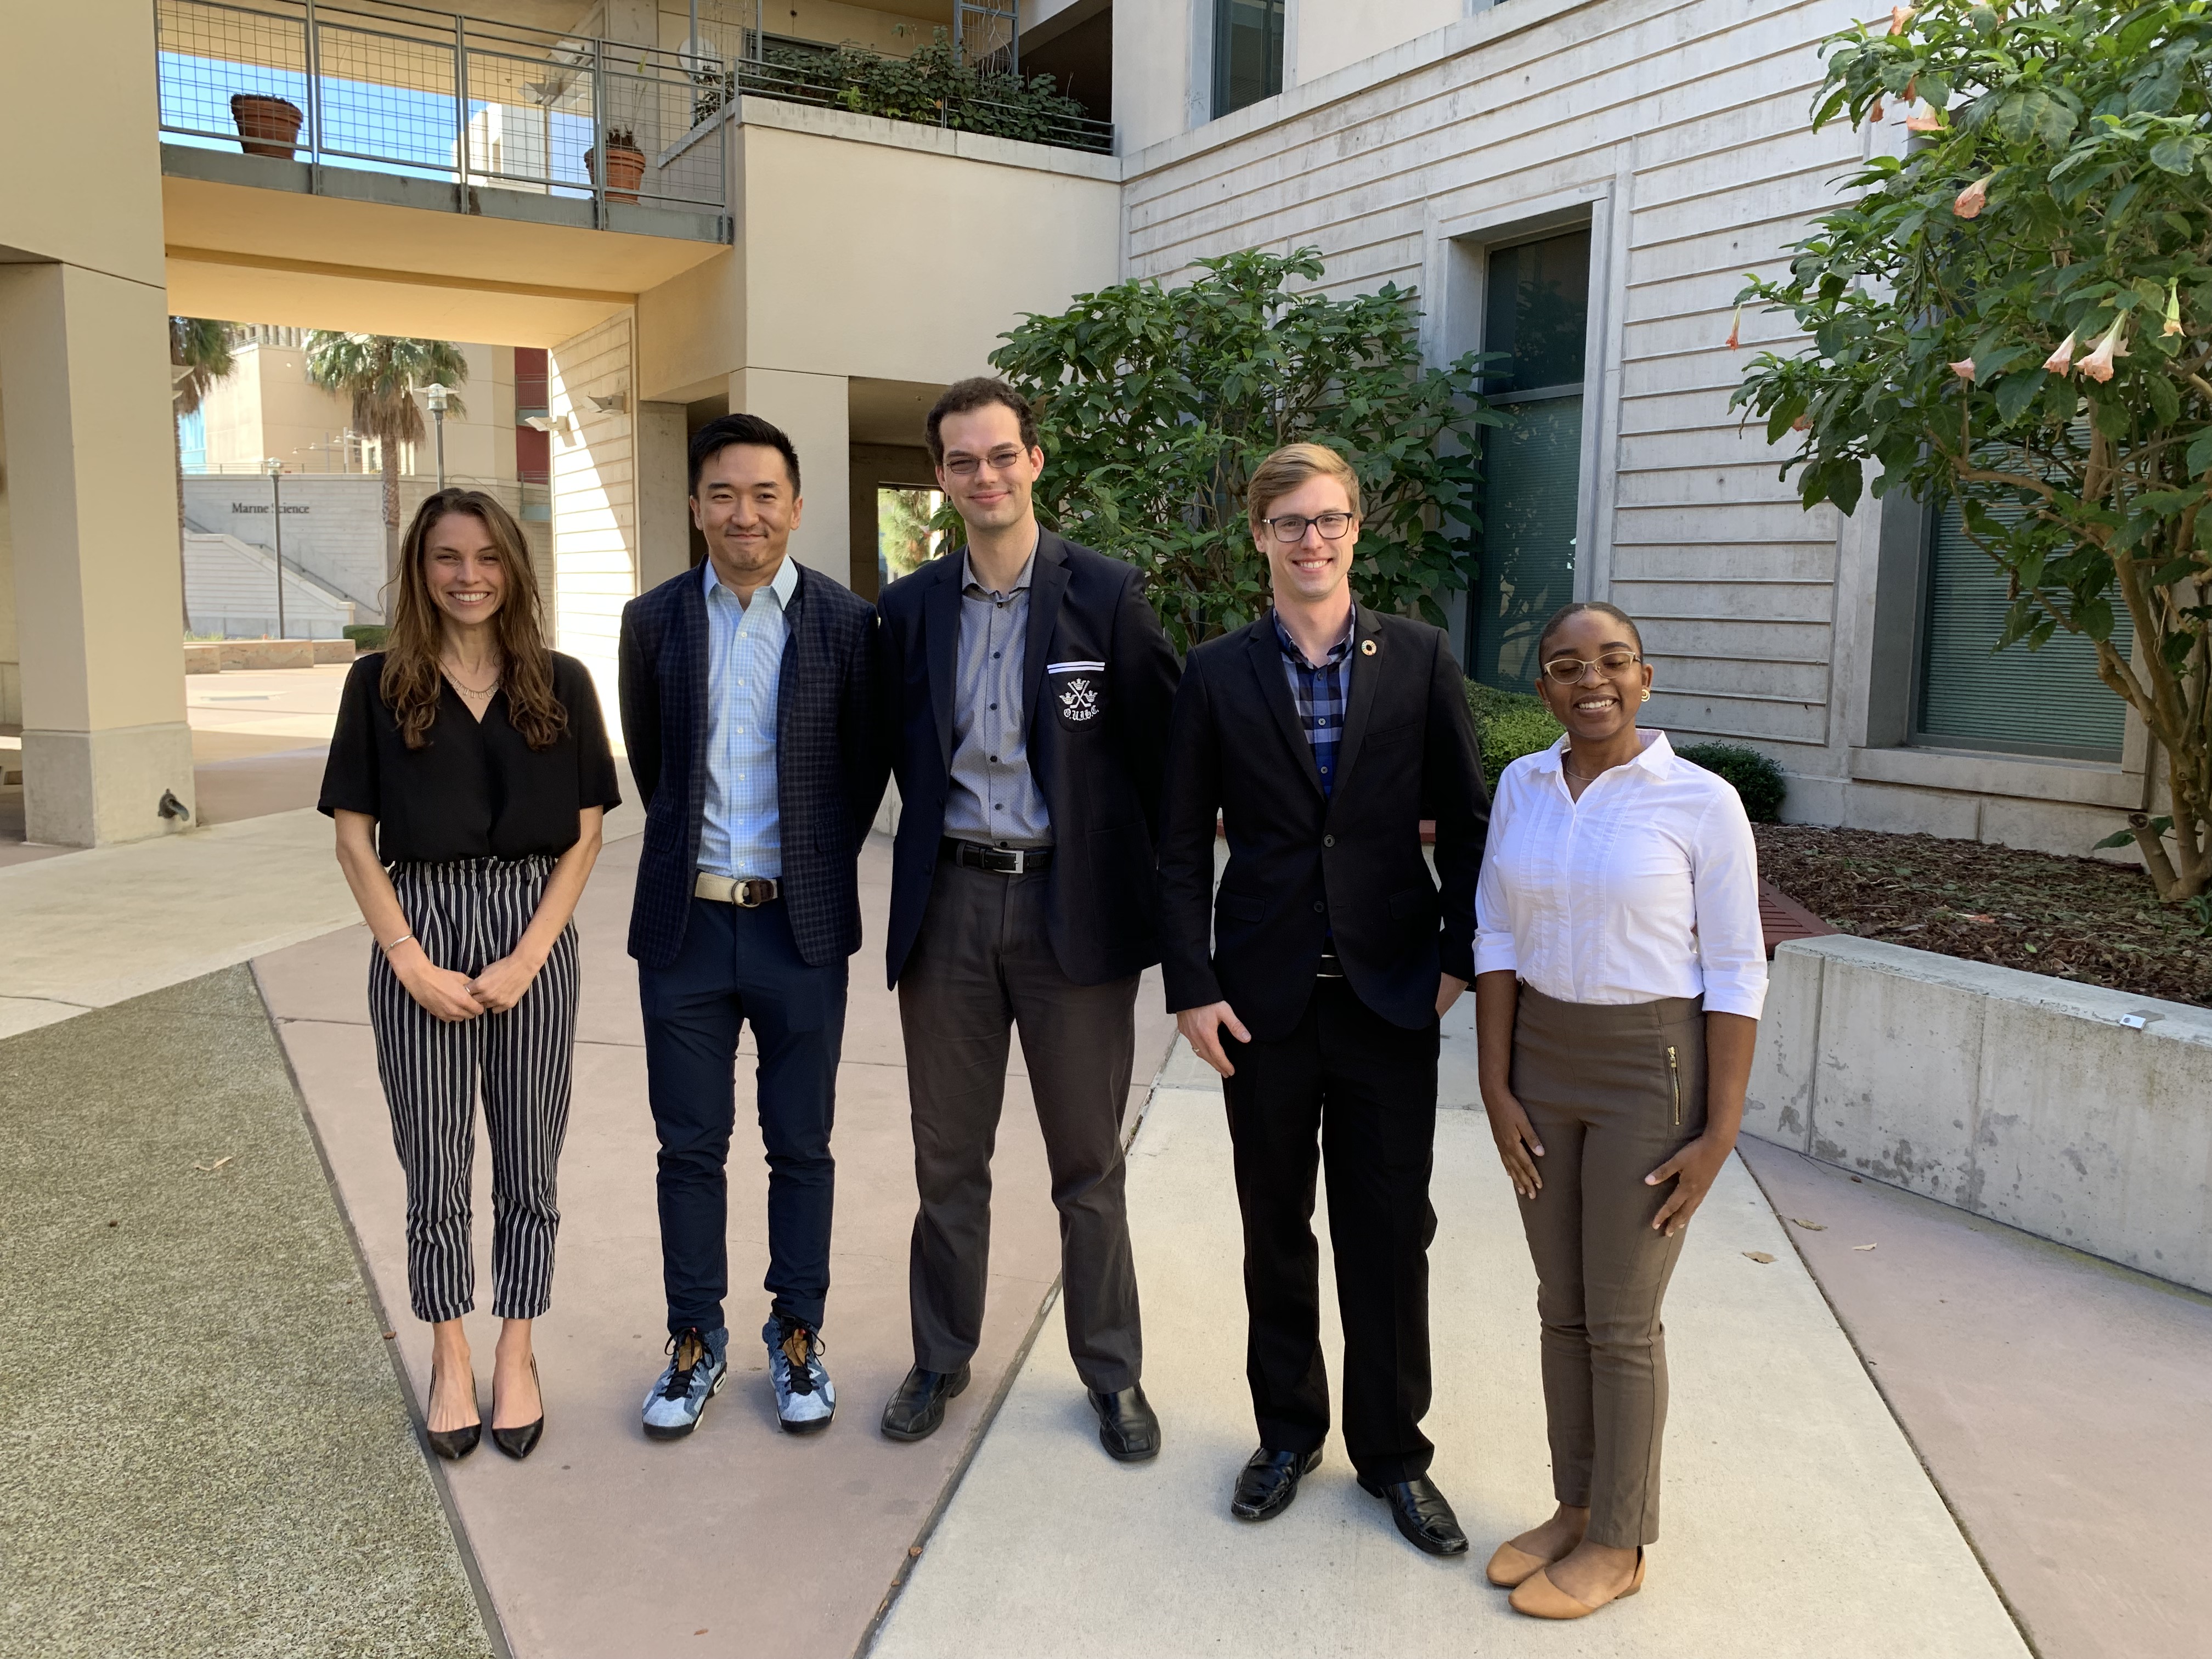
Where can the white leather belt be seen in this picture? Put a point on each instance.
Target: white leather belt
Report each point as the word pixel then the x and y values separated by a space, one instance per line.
pixel 748 893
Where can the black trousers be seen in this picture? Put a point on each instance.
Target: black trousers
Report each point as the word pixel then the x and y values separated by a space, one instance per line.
pixel 981 967
pixel 1347 1084
pixel 738 965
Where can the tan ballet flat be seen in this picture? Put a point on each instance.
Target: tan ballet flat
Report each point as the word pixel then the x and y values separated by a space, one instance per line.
pixel 1510 1568
pixel 1539 1598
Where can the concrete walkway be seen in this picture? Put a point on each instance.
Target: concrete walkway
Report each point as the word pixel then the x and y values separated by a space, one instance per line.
pixel 2063 1404
pixel 1798 1521
pixel 740 1540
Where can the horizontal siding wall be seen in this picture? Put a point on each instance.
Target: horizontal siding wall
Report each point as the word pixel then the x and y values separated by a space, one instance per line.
pixel 595 538
pixel 1692 120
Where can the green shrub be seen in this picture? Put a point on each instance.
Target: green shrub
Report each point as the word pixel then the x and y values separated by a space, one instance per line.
pixel 366 636
pixel 1509 725
pixel 1758 779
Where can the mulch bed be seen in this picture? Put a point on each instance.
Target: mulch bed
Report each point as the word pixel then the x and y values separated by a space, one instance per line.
pixel 2077 919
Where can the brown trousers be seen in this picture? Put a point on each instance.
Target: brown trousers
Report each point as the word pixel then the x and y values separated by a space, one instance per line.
pixel 1614 1091
pixel 982 966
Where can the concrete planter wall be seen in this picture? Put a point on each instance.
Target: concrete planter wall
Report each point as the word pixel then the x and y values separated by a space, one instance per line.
pixel 2080 1114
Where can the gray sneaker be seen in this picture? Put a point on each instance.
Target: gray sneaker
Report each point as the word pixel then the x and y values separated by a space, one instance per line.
pixel 805 1398
pixel 697 1367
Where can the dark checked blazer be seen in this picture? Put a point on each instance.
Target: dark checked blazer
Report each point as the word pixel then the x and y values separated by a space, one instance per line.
pixel 829 763
pixel 1302 864
pixel 1097 740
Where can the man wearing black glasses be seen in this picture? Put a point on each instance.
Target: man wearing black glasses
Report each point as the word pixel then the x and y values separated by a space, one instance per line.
pixel 1323 734
pixel 1029 685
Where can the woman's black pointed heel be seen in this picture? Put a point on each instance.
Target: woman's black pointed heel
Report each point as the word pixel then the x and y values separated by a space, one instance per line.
pixel 452 1444
pixel 520 1443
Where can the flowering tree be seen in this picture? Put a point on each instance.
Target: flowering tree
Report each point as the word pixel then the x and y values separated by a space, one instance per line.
pixel 2018 313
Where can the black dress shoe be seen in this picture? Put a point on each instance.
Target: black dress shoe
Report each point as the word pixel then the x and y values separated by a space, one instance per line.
pixel 1269 1482
pixel 452 1444
pixel 1422 1513
pixel 519 1441
pixel 1126 1427
pixel 918 1405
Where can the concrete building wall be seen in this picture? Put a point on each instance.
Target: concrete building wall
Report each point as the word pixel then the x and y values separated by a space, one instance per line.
pixel 11 660
pixel 1679 135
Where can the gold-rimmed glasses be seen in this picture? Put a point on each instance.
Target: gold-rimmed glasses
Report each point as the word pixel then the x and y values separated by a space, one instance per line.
pixel 1570 671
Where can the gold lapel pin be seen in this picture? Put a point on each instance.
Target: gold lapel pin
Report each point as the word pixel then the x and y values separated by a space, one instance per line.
pixel 1367 648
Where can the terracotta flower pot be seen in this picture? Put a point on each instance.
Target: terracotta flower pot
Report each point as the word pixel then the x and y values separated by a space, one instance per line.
pixel 267 126
pixel 625 171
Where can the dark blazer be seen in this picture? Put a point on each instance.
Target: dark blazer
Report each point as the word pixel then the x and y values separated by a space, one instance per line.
pixel 1097 763
pixel 1302 864
pixel 829 763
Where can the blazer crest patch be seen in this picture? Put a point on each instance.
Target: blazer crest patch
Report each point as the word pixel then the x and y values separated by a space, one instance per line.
pixel 1079 700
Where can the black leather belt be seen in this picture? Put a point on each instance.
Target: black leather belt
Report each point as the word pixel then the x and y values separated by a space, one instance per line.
pixel 998 860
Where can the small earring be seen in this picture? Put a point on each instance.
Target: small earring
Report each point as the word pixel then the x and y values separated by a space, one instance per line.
pixel 1647 694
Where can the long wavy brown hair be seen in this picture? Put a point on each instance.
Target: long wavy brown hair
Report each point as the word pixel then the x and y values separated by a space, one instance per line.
pixel 412 679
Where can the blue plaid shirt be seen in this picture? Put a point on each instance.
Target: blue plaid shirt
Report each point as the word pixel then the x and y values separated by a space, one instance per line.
pixel 743 831
pixel 1320 693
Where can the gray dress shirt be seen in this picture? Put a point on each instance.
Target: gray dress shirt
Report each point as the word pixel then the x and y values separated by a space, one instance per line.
pixel 994 798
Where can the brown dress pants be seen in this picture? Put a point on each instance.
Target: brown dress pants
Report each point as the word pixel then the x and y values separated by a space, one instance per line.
pixel 984 965
pixel 1613 1090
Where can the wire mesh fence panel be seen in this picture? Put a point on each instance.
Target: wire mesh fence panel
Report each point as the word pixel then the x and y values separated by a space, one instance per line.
pixel 530 120
pixel 209 54
pixel 386 99
pixel 653 150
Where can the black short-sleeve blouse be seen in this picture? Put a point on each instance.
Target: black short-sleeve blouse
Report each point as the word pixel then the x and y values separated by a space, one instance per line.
pixel 476 790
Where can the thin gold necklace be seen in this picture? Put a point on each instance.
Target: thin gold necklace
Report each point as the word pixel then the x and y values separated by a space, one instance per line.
pixel 463 686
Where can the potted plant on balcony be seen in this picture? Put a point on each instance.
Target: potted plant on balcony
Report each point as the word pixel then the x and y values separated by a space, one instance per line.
pixel 624 162
pixel 266 126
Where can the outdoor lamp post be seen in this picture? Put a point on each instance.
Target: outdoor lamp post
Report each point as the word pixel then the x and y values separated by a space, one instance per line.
pixel 276 529
pixel 437 397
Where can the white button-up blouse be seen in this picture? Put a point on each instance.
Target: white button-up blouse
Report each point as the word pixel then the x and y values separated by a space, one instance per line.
pixel 1647 887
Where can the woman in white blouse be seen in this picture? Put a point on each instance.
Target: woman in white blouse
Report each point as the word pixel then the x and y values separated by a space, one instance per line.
pixel 1620 970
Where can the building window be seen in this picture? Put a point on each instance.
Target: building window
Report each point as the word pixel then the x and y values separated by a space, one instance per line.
pixel 1536 310
pixel 1971 695
pixel 1248 52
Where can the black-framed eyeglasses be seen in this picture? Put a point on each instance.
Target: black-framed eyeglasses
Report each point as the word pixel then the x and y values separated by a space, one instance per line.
pixel 1291 526
pixel 1568 670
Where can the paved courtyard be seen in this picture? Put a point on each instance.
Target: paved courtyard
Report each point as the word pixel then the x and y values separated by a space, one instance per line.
pixel 1815 1396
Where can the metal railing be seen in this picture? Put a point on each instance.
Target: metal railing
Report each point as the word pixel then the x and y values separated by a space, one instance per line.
pixel 970 99
pixel 400 88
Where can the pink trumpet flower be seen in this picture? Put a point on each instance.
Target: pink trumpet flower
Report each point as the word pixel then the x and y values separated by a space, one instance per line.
pixel 1963 369
pixel 2061 361
pixel 1899 17
pixel 1931 122
pixel 2098 365
pixel 1875 111
pixel 1736 328
pixel 1973 199
pixel 1802 423
pixel 2172 308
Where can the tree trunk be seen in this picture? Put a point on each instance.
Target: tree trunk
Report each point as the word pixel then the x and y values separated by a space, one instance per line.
pixel 389 451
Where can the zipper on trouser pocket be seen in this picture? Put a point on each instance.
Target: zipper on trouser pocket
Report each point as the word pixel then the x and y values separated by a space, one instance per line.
pixel 1674 1076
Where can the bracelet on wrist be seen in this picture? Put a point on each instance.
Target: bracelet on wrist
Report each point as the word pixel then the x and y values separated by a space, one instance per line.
pixel 396 944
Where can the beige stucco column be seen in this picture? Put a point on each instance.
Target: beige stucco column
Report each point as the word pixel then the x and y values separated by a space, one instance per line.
pixel 812 410
pixel 84 394
pixel 664 514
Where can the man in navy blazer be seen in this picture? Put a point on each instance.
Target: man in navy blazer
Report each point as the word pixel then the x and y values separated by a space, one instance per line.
pixel 1028 686
pixel 749 705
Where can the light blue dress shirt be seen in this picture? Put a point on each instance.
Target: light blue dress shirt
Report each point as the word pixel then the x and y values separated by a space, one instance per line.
pixel 742 836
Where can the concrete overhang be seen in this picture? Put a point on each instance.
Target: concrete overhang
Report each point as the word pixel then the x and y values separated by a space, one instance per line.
pixel 246 240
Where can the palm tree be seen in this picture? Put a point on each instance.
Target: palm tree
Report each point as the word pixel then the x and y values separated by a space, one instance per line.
pixel 199 356
pixel 381 373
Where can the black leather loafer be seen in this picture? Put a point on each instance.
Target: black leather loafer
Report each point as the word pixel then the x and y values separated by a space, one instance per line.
pixel 1269 1482
pixel 1126 1427
pixel 917 1406
pixel 1422 1513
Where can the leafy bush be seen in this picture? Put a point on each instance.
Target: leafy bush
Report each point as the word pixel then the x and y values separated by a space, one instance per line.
pixel 1155 404
pixel 1509 725
pixel 366 636
pixel 1758 779
pixel 932 88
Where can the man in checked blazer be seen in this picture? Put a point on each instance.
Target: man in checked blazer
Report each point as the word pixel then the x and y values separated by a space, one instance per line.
pixel 749 705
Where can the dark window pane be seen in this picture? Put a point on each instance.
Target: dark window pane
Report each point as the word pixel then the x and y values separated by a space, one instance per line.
pixel 1248 52
pixel 1532 470
pixel 1538 309
pixel 2046 702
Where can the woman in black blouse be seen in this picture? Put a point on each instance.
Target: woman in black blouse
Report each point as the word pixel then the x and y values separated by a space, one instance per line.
pixel 468 775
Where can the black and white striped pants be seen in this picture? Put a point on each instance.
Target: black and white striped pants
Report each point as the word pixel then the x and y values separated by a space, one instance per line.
pixel 466 914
